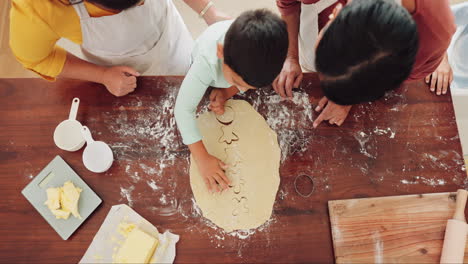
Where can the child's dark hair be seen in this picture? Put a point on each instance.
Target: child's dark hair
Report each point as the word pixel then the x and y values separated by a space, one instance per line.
pixel 255 46
pixel 111 4
pixel 367 50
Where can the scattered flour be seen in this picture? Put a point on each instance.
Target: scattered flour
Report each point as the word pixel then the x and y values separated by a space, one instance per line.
pixel 289 118
pixel 151 183
pixel 127 194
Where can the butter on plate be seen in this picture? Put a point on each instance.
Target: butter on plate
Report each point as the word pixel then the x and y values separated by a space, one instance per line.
pixel 63 201
pixel 138 247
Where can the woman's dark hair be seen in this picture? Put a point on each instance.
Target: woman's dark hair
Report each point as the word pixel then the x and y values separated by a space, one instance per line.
pixel 111 4
pixel 367 50
pixel 255 46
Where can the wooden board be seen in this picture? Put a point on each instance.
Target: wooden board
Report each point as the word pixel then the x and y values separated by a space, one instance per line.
pixel 150 172
pixel 397 229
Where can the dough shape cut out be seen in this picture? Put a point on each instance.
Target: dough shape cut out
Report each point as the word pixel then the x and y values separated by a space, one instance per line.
pixel 244 205
pixel 228 135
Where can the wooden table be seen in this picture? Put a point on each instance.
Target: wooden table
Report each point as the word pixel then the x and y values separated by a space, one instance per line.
pixel 403 144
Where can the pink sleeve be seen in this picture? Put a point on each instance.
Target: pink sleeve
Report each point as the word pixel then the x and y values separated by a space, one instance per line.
pixel 287 7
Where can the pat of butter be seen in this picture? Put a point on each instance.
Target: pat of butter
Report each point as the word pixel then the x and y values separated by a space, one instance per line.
pixel 139 247
pixel 53 198
pixel 63 200
pixel 69 198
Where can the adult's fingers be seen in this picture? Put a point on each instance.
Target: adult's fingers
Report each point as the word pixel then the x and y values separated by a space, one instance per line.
pixel 440 83
pixel 129 78
pixel 428 78
pixel 130 70
pixel 298 81
pixel 332 121
pixel 281 81
pixel 321 104
pixel 445 84
pixel 275 85
pixel 340 122
pixel 289 84
pixel 433 81
pixel 319 120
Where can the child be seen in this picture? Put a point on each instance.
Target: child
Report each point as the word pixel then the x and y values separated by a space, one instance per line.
pixel 233 56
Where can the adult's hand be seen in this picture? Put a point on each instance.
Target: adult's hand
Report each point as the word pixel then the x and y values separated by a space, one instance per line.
pixel 120 80
pixel 439 81
pixel 289 78
pixel 335 114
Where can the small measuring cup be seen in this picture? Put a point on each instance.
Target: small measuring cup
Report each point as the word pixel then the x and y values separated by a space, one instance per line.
pixel 97 156
pixel 67 134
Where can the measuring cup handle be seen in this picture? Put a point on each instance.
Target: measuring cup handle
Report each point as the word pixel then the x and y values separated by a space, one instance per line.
pixel 74 108
pixel 87 134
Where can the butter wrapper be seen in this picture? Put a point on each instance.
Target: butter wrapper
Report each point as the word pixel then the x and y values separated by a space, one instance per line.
pixel 108 239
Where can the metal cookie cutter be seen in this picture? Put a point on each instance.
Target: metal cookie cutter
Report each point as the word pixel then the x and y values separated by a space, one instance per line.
pixel 297 190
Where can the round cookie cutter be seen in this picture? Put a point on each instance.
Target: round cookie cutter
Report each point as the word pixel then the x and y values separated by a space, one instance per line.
pixel 67 134
pixel 97 156
pixel 311 181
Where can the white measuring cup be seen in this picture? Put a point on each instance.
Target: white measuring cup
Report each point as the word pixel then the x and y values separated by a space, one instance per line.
pixel 97 156
pixel 67 134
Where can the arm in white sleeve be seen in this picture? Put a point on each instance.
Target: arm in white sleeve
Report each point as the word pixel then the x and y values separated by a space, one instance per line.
pixel 191 92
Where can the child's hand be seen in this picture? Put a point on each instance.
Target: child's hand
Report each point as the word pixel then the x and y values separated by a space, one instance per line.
pixel 212 172
pixel 289 78
pixel 217 101
pixel 120 80
pixel 334 113
pixel 441 77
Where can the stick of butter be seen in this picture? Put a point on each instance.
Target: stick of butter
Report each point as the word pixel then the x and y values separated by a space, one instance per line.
pixel 63 200
pixel 139 247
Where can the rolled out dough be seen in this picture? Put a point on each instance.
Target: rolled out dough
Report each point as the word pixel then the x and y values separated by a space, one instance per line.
pixel 253 160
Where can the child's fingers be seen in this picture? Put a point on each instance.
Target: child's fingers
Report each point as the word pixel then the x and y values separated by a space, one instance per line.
pixel 214 185
pixel 433 81
pixel 445 84
pixel 223 165
pixel 321 104
pixel 222 182
pixel 213 95
pixel 339 123
pixel 207 183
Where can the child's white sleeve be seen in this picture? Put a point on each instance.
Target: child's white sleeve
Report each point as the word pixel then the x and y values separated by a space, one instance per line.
pixel 191 92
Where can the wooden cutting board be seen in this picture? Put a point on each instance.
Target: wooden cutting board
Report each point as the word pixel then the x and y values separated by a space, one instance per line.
pixel 396 229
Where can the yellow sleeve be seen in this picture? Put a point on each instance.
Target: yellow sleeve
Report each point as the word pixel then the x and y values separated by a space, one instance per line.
pixel 33 42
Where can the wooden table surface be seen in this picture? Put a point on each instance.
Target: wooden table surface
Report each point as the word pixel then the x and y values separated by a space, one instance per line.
pixel 406 143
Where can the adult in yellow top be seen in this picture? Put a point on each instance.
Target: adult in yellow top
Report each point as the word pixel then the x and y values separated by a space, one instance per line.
pixel 119 39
